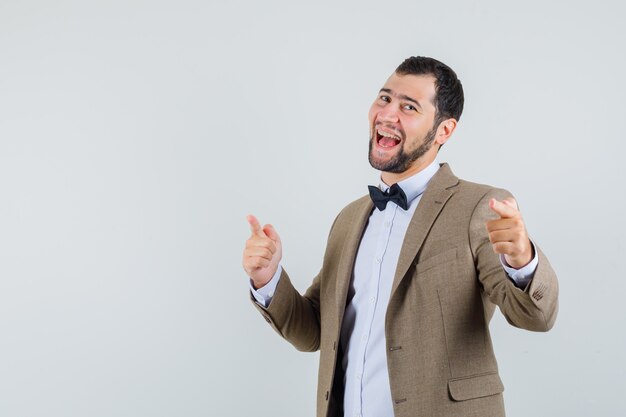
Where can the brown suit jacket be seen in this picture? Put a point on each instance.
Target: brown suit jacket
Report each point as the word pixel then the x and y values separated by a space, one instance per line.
pixel 446 287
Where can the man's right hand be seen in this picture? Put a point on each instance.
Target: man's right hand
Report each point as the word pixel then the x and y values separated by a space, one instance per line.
pixel 262 253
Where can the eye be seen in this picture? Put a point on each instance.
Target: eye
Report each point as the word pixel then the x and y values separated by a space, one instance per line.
pixel 386 99
pixel 409 107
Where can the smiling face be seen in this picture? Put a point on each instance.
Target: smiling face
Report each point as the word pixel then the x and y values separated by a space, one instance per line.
pixel 401 127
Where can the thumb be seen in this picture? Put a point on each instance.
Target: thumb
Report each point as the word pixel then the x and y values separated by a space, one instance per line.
pixel 504 209
pixel 255 226
pixel 271 232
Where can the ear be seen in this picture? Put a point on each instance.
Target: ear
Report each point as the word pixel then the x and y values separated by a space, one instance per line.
pixel 444 131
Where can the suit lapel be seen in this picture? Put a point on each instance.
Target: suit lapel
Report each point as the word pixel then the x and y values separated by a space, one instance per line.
pixel 439 190
pixel 348 255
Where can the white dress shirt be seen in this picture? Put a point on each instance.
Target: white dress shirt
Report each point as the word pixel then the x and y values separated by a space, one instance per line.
pixel 366 379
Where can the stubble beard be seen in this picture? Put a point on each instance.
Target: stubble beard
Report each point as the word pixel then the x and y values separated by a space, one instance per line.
pixel 403 160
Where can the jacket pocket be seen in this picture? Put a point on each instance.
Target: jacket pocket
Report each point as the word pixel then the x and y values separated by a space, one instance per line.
pixel 477 386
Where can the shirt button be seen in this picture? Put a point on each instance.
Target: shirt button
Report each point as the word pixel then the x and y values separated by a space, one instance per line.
pixel 364 338
pixel 377 260
pixel 387 224
pixel 373 299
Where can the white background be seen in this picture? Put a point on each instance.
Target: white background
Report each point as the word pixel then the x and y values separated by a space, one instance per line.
pixel 135 136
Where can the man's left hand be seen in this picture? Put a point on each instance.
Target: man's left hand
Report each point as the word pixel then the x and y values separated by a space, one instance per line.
pixel 508 233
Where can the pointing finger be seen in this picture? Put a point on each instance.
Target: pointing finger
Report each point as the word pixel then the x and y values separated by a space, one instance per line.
pixel 255 226
pixel 504 209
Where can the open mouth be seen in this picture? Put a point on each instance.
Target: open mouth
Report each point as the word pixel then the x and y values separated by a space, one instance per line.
pixel 387 140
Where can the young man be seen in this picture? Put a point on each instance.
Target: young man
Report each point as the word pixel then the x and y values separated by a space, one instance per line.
pixel 412 272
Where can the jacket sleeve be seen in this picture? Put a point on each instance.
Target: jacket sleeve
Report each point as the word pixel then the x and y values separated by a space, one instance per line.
pixel 294 316
pixel 533 308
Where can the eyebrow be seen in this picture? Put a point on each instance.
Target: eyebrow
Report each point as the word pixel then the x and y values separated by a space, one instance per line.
pixel 402 96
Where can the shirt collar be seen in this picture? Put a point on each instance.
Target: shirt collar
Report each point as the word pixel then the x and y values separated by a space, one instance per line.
pixel 416 184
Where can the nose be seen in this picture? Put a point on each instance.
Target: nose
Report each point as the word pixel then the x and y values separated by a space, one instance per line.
pixel 388 114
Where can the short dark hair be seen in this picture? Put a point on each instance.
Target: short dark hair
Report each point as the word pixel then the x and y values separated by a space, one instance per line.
pixel 448 89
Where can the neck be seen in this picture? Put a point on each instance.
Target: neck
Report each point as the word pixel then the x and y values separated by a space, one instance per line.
pixel 390 178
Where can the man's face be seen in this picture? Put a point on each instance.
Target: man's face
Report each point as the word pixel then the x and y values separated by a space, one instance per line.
pixel 401 123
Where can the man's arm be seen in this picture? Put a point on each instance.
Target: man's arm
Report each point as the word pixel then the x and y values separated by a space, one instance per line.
pixel 293 316
pixel 534 307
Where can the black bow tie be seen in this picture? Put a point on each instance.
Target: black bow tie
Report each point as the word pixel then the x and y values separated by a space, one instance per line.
pixel 394 193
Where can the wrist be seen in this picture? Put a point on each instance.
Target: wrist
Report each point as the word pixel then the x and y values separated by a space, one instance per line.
pixel 257 285
pixel 261 280
pixel 520 261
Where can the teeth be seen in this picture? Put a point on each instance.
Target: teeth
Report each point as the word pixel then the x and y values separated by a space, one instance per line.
pixel 388 135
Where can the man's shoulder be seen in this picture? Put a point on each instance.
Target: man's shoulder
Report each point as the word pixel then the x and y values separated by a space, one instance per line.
pixel 348 218
pixel 355 207
pixel 478 191
pixel 445 180
pixel 357 204
pixel 477 188
pixel 470 199
pixel 464 188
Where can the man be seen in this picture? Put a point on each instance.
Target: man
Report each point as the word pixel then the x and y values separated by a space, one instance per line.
pixel 412 272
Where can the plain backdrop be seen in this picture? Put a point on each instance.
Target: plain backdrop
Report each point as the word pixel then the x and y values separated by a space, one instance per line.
pixel 135 136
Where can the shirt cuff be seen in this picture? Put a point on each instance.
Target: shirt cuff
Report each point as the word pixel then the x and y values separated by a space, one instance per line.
pixel 521 277
pixel 263 295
